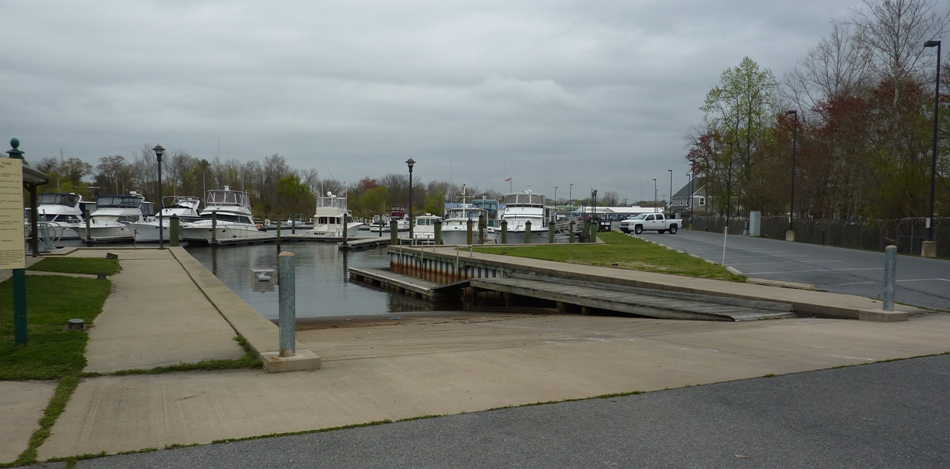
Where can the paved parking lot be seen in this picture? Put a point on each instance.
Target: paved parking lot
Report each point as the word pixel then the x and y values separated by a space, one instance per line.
pixel 920 282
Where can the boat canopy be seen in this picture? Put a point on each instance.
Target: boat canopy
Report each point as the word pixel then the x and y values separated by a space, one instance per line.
pixel 525 198
pixel 227 197
pixel 56 198
pixel 331 201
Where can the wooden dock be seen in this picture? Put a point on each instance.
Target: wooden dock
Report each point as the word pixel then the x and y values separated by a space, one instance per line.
pixel 405 284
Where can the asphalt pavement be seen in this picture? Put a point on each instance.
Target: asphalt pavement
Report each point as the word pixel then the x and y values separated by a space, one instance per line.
pixel 889 415
pixel 921 282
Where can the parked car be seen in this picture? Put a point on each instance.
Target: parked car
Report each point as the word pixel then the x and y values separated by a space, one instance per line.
pixel 651 222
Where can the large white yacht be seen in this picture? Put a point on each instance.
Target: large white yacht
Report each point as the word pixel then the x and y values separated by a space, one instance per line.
pixel 522 207
pixel 332 216
pixel 146 231
pixel 113 213
pixel 229 213
pixel 59 215
pixel 455 225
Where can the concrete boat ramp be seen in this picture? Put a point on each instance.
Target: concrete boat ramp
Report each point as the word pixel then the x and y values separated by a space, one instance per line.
pixel 575 296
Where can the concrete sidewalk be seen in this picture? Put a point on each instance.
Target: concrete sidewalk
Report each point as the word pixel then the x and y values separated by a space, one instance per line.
pixel 409 368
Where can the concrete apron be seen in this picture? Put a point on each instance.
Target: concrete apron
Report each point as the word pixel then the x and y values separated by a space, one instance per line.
pixel 436 368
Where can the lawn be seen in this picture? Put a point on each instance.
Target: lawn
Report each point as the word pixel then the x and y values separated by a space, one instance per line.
pixel 77 265
pixel 623 251
pixel 52 351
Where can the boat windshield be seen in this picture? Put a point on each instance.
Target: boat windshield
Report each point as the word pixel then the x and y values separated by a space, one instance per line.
pixel 227 197
pixel 331 202
pixel 122 201
pixel 69 200
pixel 524 198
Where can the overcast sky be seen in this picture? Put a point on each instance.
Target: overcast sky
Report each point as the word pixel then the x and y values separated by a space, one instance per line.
pixel 598 94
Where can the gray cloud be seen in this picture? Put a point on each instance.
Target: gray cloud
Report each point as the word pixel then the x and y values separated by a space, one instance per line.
pixel 550 93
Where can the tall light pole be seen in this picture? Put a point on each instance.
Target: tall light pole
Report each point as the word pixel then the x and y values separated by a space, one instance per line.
pixel 732 146
pixel 593 215
pixel 689 199
pixel 570 201
pixel 933 162
pixel 555 199
pixel 791 205
pixel 411 163
pixel 670 206
pixel 159 151
pixel 654 196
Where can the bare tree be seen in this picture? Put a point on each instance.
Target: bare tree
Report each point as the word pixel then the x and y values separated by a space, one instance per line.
pixel 838 65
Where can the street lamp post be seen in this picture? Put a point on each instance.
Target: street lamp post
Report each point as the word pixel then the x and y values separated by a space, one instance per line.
pixel 791 205
pixel 159 151
pixel 732 146
pixel 670 206
pixel 411 163
pixel 930 249
pixel 555 198
pixel 654 196
pixel 689 199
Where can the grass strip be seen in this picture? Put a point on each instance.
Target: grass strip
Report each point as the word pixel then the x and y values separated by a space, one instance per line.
pixel 52 351
pixel 621 251
pixel 249 360
pixel 64 391
pixel 77 265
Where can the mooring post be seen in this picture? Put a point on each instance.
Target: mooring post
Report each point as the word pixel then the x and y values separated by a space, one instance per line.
pixel 394 233
pixel 278 233
pixel 344 233
pixel 527 232
pixel 287 308
pixel 468 232
pixel 437 227
pixel 173 230
pixel 551 232
pixel 482 225
pixel 214 227
pixel 504 232
pixel 88 241
pixel 572 230
pixel 890 276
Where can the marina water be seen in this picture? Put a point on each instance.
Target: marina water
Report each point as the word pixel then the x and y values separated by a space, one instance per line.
pixel 323 288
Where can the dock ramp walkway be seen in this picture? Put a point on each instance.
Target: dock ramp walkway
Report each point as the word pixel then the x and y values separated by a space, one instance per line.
pixel 634 300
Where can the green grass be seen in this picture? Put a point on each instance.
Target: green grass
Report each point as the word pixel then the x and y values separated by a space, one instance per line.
pixel 622 251
pixel 77 265
pixel 52 351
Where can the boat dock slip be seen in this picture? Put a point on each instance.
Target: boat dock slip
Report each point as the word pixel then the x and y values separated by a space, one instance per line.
pixel 409 285
pixel 446 264
pixel 364 243
pixel 632 300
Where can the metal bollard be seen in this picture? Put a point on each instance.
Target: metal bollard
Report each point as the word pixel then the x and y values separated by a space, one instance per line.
pixel 890 276
pixel 287 309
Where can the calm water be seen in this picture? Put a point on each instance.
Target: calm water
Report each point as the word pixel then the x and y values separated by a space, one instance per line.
pixel 323 288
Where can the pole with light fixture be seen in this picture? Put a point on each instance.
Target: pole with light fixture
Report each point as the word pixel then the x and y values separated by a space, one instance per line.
pixel 159 151
pixel 655 203
pixel 410 162
pixel 790 234
pixel 929 247
pixel 670 205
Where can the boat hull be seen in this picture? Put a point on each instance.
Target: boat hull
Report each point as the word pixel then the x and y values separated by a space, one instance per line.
pixel 202 233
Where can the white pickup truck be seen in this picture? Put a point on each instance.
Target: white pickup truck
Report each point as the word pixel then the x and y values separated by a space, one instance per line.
pixel 650 222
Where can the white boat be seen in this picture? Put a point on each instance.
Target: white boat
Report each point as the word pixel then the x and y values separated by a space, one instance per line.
pixel 146 231
pixel 523 207
pixel 332 216
pixel 380 224
pixel 113 213
pixel 234 220
pixel 455 224
pixel 423 231
pixel 398 213
pixel 60 215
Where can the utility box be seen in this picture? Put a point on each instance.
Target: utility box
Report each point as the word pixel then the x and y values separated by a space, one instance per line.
pixel 755 223
pixel 263 280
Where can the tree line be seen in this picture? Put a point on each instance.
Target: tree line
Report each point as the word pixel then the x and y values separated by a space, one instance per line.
pixel 275 188
pixel 855 115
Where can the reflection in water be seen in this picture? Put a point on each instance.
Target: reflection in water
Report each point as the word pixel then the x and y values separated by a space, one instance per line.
pixel 322 283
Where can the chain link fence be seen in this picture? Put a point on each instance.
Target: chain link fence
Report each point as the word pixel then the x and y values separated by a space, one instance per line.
pixel 907 234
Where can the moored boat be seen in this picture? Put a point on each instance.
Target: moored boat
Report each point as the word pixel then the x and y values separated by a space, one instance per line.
pixel 185 207
pixel 524 207
pixel 332 217
pixel 226 217
pixel 60 214
pixel 113 213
